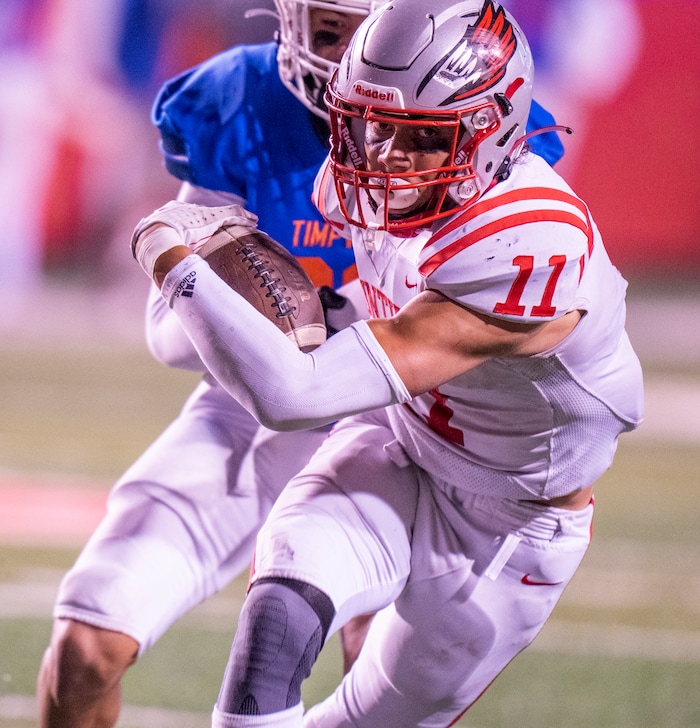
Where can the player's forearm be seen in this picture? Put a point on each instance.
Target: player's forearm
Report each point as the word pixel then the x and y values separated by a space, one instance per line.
pixel 165 337
pixel 282 387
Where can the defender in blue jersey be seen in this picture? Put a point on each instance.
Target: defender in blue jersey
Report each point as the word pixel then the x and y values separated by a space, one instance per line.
pixel 246 127
pixel 203 116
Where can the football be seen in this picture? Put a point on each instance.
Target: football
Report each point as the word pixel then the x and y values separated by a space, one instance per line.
pixel 271 279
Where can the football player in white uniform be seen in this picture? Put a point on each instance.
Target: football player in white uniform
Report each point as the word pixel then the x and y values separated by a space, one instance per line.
pixel 498 351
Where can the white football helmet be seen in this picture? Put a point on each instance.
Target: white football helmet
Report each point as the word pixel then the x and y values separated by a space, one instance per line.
pixel 303 67
pixel 459 64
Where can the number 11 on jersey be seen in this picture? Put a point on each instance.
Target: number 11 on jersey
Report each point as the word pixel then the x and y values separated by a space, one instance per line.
pixel 525 264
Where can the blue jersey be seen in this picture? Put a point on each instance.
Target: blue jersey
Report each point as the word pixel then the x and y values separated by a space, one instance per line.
pixel 230 125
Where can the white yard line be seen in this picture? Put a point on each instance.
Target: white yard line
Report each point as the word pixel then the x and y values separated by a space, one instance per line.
pixel 21 707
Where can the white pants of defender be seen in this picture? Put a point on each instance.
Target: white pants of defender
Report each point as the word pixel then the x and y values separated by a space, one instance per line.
pixel 465 581
pixel 181 522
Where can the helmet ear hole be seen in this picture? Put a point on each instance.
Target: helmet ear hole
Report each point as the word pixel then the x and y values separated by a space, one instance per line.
pixel 504 139
pixel 504 103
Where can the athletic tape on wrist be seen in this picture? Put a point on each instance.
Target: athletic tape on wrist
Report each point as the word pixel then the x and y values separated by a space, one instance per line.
pixel 152 243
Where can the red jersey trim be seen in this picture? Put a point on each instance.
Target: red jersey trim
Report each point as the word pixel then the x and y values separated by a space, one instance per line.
pixel 497 226
pixel 507 198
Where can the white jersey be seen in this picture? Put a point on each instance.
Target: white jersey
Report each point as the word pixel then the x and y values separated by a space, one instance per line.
pixel 527 251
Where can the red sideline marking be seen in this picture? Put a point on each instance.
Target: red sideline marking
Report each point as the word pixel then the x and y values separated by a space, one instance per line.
pixel 43 512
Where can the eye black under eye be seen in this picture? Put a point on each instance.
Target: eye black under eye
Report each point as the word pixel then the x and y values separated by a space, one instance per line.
pixel 325 38
pixel 431 142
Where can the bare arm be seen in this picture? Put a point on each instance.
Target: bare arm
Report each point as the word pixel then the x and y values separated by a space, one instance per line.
pixel 433 339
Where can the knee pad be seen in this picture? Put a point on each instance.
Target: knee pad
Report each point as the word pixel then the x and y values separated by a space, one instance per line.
pixel 281 630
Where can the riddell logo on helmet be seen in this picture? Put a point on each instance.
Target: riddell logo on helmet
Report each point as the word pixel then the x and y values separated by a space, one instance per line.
pixel 376 93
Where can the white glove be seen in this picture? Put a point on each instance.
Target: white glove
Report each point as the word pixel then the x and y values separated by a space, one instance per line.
pixel 190 225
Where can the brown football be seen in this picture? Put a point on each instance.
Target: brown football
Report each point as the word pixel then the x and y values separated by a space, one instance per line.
pixel 271 279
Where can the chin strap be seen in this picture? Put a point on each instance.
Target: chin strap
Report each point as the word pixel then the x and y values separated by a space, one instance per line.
pixel 520 142
pixel 503 172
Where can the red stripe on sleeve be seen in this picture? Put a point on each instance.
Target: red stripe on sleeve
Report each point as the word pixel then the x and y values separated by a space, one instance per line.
pixel 497 226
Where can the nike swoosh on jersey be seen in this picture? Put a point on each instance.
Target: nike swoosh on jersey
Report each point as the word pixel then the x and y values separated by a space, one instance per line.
pixel 531 582
pixel 408 284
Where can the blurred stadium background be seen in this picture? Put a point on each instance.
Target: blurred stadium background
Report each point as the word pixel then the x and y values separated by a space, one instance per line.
pixel 80 397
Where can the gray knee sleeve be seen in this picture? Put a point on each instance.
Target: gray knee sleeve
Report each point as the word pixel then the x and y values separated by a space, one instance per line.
pixel 281 630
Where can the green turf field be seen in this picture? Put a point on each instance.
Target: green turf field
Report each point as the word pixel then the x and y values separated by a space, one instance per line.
pixel 622 649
